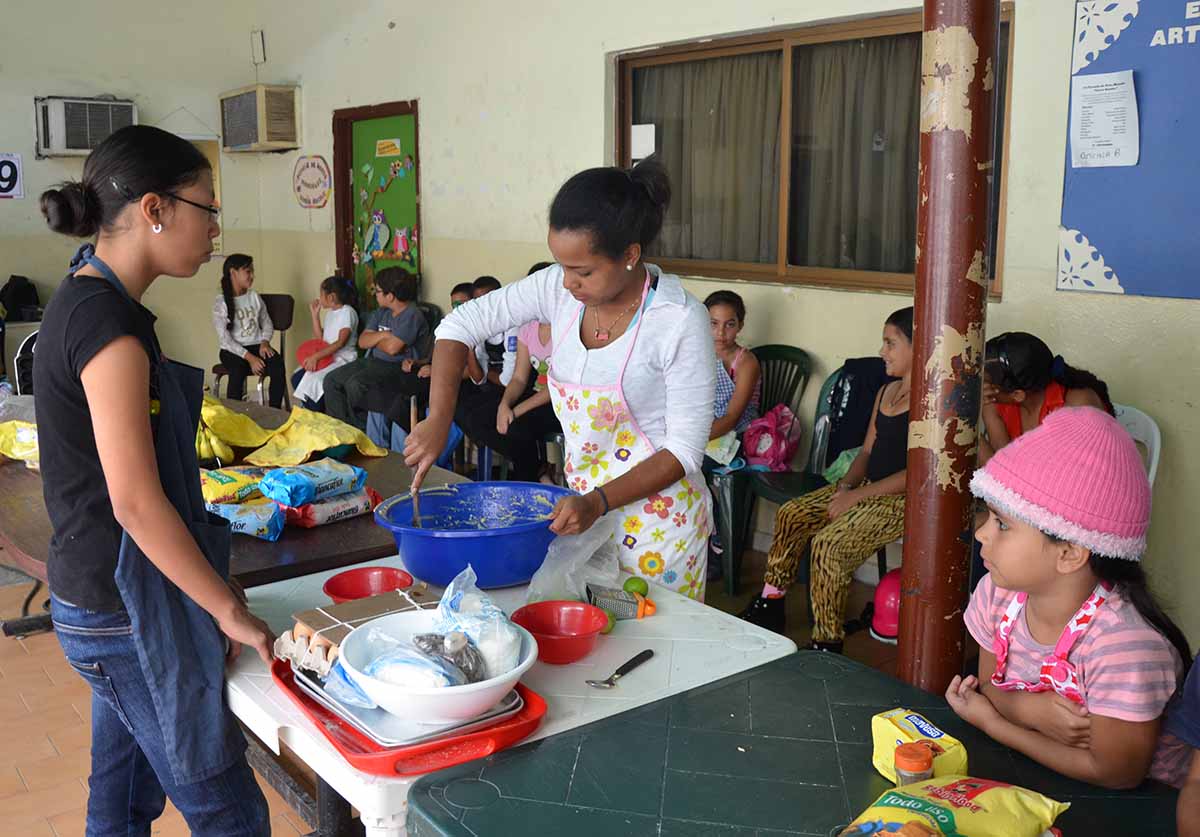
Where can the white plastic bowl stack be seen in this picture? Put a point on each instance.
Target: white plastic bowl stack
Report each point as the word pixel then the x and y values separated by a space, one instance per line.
pixel 433 705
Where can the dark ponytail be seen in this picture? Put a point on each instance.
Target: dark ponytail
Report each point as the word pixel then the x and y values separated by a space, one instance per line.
pixel 1026 363
pixel 1130 581
pixel 236 261
pixel 342 289
pixel 617 207
pixel 1072 378
pixel 132 162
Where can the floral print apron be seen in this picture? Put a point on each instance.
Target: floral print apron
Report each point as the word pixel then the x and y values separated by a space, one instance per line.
pixel 664 538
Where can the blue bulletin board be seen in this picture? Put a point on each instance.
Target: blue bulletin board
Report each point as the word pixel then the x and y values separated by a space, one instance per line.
pixel 1136 229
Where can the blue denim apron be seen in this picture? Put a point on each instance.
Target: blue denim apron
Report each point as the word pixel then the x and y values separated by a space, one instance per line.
pixel 180 648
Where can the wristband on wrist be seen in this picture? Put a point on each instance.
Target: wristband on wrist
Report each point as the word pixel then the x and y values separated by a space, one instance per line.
pixel 604 497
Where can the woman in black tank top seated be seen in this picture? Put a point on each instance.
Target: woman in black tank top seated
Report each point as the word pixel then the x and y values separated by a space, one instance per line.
pixel 849 521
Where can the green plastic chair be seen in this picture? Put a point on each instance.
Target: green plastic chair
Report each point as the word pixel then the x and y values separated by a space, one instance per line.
pixel 785 374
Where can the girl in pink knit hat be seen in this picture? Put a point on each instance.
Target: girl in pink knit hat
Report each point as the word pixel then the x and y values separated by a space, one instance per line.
pixel 1077 661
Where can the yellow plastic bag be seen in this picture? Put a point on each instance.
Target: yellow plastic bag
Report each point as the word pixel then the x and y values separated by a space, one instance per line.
pixel 231 485
pixel 903 726
pixel 235 429
pixel 957 806
pixel 307 432
pixel 19 440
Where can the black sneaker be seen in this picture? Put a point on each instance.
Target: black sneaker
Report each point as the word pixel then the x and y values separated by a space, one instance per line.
pixel 766 613
pixel 827 647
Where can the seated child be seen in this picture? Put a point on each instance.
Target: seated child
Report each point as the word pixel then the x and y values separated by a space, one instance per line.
pixel 489 369
pixel 495 358
pixel 395 332
pixel 244 332
pixel 1024 383
pixel 847 522
pixel 1077 661
pixel 337 298
pixel 1184 723
pixel 524 416
pixel 727 318
pixel 415 378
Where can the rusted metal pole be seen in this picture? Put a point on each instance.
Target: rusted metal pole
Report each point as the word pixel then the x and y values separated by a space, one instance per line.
pixel 958 94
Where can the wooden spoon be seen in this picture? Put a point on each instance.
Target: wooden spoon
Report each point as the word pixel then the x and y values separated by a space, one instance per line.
pixel 416 497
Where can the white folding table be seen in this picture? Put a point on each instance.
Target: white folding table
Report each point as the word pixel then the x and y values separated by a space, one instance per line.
pixel 693 645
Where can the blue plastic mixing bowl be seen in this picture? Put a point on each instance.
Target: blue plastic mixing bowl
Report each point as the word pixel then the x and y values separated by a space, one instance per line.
pixel 502 529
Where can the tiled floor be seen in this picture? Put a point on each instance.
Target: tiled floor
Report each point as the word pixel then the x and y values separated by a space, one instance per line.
pixel 45 710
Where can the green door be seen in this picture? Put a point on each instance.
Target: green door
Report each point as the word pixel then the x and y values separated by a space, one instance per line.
pixel 384 199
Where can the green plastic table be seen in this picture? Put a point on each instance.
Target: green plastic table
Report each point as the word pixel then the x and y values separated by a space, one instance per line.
pixel 780 749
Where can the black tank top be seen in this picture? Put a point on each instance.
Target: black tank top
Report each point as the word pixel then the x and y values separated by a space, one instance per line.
pixel 890 453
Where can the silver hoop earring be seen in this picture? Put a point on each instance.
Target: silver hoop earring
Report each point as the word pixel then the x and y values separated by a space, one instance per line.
pixel 156 229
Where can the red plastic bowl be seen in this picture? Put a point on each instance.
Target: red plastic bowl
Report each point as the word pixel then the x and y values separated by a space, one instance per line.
pixel 565 631
pixel 365 581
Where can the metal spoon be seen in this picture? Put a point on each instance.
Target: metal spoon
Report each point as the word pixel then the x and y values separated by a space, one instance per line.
pixel 622 671
pixel 416 497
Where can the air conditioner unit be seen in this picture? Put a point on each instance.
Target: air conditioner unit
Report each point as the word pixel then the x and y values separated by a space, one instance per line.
pixel 262 117
pixel 73 127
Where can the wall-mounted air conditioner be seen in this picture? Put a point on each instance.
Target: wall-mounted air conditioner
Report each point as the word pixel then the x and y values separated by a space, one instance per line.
pixel 262 117
pixel 68 127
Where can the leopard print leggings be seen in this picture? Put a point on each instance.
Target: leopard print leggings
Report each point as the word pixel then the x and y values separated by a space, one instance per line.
pixel 839 547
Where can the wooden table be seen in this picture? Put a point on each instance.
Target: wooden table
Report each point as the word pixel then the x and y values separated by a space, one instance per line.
pixel 25 527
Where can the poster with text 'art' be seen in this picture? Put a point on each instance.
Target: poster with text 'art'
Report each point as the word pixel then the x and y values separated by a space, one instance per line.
pixel 1131 191
pixel 384 200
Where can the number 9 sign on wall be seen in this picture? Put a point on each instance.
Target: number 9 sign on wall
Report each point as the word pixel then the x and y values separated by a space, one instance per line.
pixel 12 184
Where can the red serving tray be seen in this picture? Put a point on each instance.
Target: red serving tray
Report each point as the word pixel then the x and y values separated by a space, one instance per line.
pixel 415 759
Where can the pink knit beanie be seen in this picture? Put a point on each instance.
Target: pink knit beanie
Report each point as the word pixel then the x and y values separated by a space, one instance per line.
pixel 1078 477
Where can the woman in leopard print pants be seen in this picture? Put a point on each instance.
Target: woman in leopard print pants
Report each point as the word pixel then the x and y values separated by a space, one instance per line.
pixel 848 522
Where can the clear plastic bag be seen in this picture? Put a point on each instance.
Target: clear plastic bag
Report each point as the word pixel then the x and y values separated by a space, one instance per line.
pixel 457 648
pixel 341 688
pixel 17 408
pixel 466 608
pixel 575 561
pixel 392 661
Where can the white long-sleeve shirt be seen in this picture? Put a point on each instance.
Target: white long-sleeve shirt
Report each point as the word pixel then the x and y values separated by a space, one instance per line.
pixel 670 381
pixel 251 323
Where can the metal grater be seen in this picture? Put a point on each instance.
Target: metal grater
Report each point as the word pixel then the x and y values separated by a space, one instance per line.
pixel 620 604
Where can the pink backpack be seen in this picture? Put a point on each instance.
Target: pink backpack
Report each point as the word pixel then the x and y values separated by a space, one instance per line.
pixel 771 440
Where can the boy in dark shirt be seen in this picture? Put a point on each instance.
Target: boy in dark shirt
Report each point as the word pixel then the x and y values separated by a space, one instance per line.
pixel 396 332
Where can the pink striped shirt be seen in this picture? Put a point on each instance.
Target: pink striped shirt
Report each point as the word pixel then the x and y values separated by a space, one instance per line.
pixel 1127 669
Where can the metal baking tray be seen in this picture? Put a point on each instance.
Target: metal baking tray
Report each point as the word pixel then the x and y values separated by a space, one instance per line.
pixel 390 730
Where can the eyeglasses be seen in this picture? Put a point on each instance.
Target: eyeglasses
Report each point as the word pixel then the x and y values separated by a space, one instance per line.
pixel 214 211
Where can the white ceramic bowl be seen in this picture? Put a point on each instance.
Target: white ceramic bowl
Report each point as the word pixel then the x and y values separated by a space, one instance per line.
pixel 434 705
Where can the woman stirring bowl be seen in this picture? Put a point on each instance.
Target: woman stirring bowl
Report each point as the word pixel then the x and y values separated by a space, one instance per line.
pixel 631 378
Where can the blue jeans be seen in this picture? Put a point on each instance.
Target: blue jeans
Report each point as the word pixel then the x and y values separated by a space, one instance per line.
pixel 131 779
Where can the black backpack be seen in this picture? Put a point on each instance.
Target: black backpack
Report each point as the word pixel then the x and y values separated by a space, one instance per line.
pixel 18 294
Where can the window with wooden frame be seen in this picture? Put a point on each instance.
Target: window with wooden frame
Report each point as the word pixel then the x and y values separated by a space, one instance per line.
pixel 793 155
